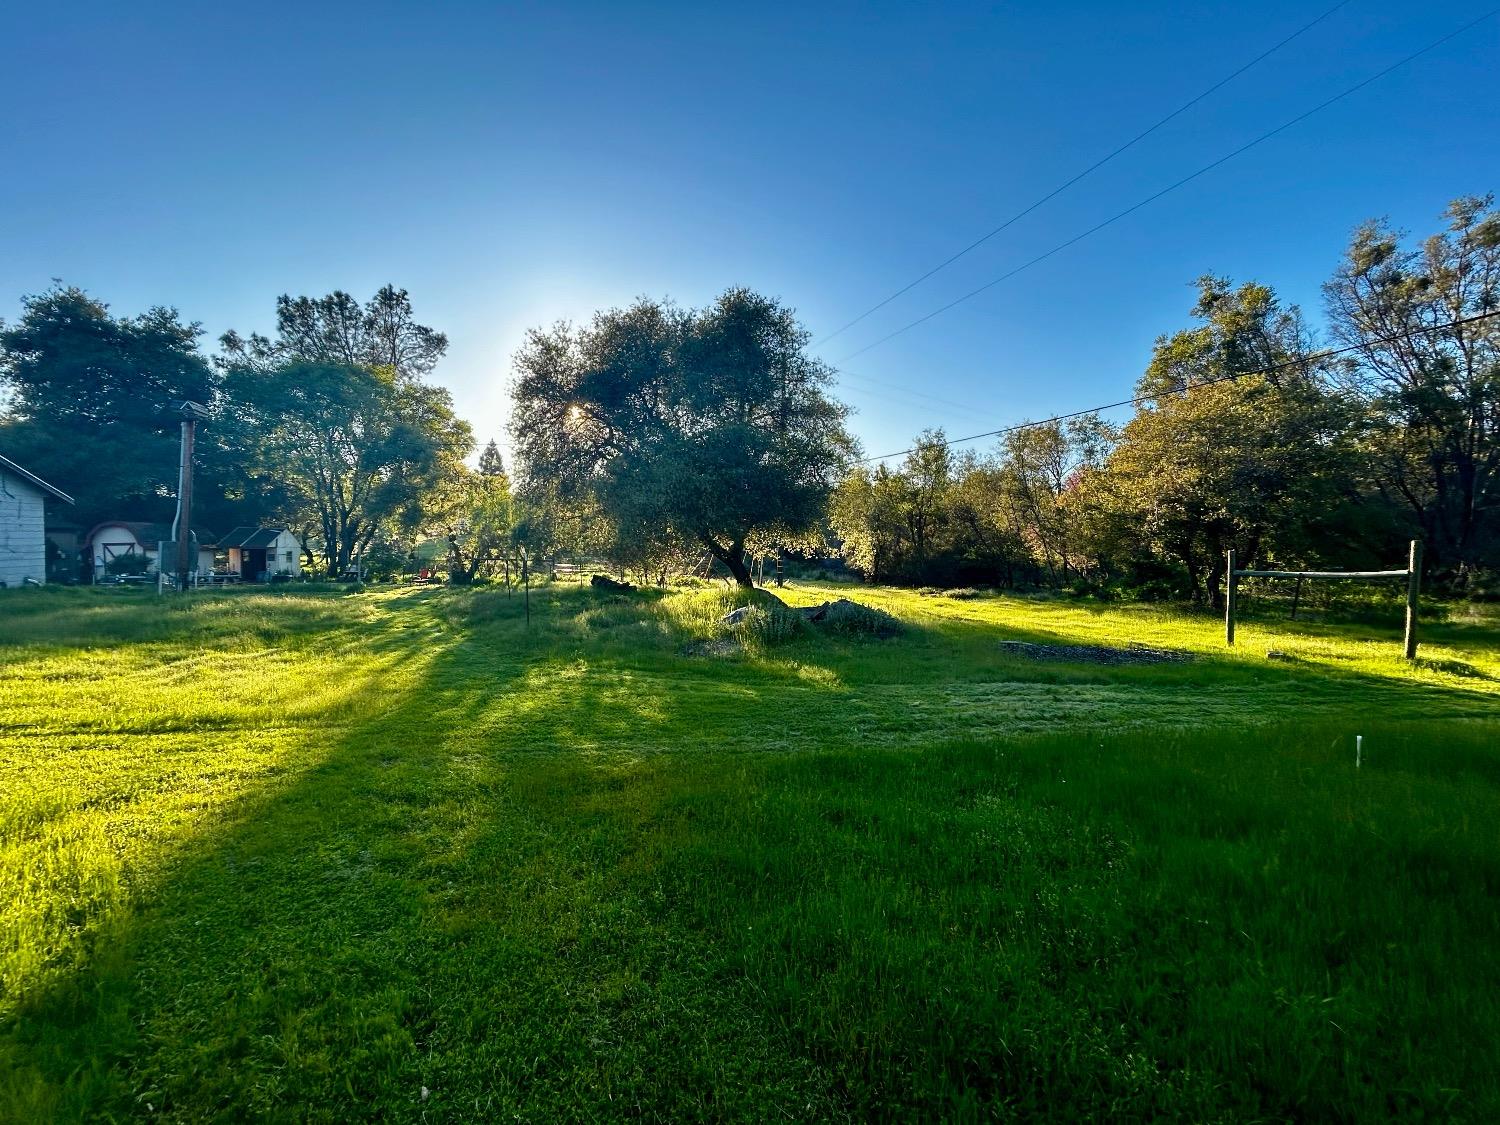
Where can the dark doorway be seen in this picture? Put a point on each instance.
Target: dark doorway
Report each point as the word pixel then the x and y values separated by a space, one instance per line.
pixel 253 564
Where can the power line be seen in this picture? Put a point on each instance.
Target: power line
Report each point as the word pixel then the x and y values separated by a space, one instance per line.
pixel 906 391
pixel 868 395
pixel 1180 183
pixel 1092 168
pixel 1315 357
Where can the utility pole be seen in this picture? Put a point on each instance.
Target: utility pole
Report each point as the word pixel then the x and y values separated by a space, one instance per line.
pixel 191 414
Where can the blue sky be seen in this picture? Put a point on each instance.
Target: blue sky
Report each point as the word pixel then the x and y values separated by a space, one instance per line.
pixel 514 165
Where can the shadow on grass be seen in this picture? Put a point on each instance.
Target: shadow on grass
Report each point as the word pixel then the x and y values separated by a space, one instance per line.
pixel 571 935
pixel 311 953
pixel 72 617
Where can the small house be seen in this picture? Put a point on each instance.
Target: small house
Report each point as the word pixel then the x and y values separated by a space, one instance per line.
pixel 258 554
pixel 115 539
pixel 24 498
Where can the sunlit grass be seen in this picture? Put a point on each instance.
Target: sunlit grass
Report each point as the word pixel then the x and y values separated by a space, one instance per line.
pixel 269 854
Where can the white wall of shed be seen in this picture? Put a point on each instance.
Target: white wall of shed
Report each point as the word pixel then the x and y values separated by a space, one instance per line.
pixel 23 535
pixel 286 543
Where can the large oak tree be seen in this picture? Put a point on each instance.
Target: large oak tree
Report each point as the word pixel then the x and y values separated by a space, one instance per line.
pixel 360 450
pixel 708 426
pixel 84 399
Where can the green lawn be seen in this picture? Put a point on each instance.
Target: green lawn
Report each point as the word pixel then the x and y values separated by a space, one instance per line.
pixel 398 855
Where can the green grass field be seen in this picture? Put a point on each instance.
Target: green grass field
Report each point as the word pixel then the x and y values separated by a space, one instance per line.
pixel 397 855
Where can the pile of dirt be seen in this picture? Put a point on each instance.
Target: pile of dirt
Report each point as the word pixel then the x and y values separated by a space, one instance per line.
pixel 1136 653
pixel 839 616
pixel 809 612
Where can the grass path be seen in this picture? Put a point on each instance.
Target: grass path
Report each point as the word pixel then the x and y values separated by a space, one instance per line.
pixel 307 856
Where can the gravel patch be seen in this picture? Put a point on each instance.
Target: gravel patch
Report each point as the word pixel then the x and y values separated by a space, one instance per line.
pixel 1135 653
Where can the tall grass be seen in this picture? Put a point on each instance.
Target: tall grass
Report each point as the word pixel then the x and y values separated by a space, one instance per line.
pixel 307 856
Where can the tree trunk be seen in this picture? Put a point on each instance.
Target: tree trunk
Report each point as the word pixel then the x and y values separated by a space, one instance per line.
pixel 733 558
pixel 735 561
pixel 1214 587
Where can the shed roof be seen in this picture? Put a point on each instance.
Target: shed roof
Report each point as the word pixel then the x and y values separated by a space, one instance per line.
pixel 7 463
pixel 251 538
pixel 150 534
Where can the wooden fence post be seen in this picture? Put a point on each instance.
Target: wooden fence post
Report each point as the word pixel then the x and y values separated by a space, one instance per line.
pixel 1413 587
pixel 1229 597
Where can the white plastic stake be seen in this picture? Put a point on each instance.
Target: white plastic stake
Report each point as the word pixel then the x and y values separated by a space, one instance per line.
pixel 1359 740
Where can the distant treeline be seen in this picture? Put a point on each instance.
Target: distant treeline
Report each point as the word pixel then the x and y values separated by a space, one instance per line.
pixel 671 440
pixel 330 427
pixel 1321 461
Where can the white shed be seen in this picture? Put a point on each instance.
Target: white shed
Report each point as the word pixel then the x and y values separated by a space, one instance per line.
pixel 257 554
pixel 116 538
pixel 23 524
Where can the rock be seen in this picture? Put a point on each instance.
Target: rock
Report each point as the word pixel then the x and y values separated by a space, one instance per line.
pixel 819 612
pixel 763 598
pixel 605 582
pixel 815 612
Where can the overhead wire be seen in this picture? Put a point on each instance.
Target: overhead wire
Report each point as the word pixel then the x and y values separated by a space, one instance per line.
pixel 1261 139
pixel 1092 168
pixel 954 404
pixel 1299 361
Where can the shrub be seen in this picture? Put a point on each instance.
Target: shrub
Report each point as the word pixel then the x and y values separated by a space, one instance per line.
pixel 698 612
pixel 765 626
pixel 127 564
pixel 855 620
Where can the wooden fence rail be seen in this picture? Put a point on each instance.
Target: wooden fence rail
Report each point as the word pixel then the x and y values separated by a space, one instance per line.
pixel 1412 574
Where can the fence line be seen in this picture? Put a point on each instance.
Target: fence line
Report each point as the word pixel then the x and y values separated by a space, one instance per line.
pixel 1412 574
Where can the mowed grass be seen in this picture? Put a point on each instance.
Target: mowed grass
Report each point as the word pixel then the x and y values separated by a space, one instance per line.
pixel 398 855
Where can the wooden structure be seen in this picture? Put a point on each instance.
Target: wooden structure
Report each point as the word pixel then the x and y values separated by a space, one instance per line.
pixel 24 497
pixel 258 554
pixel 114 538
pixel 1412 574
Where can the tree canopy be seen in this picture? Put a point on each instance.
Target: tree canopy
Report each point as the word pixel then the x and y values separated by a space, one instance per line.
pixel 337 330
pixel 360 450
pixel 84 398
pixel 710 427
pixel 1212 463
pixel 659 436
pixel 1432 395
